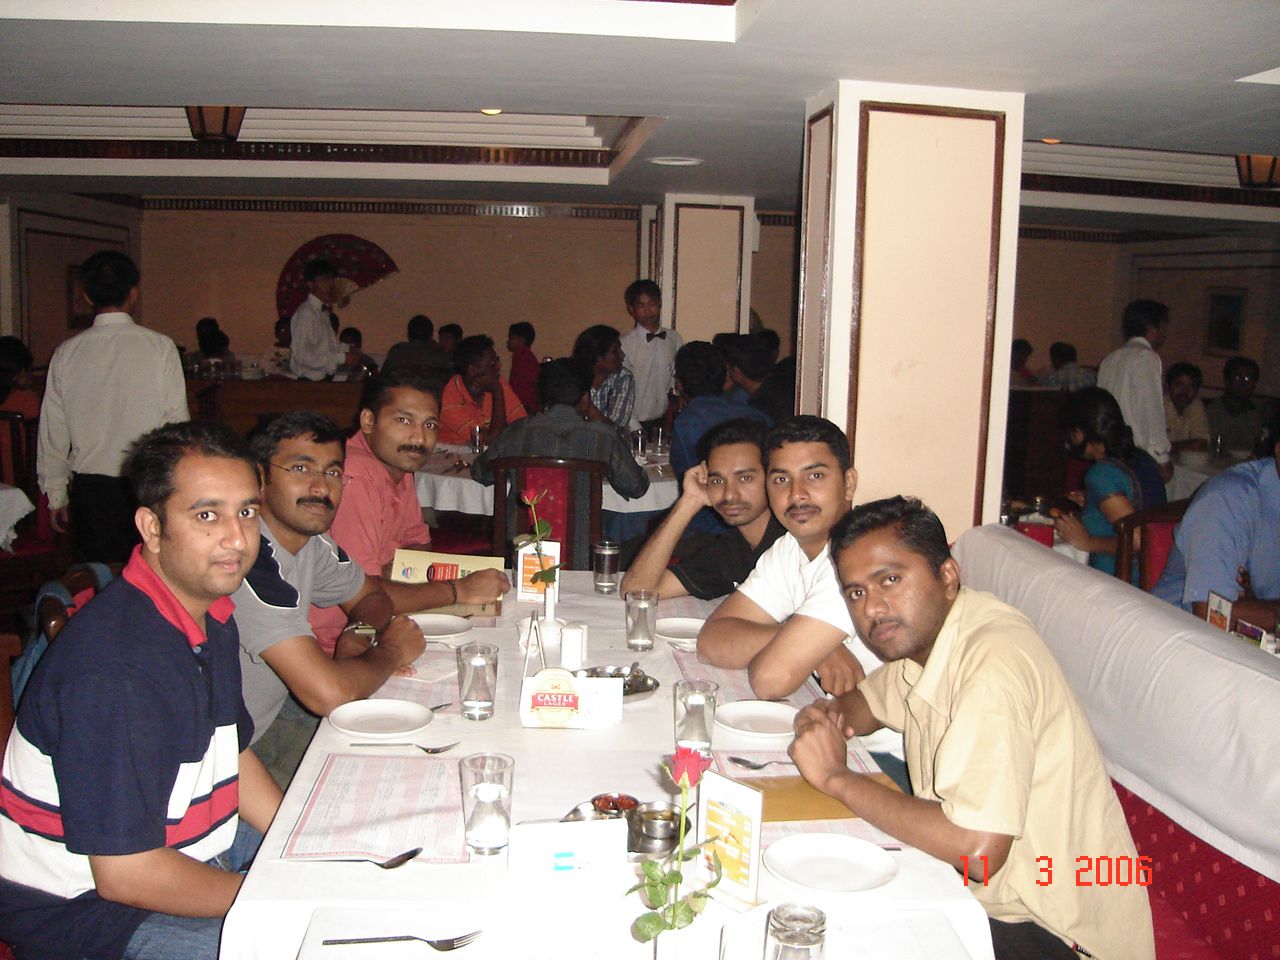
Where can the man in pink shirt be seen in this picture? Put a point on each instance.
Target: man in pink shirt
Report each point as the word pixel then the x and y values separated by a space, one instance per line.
pixel 379 511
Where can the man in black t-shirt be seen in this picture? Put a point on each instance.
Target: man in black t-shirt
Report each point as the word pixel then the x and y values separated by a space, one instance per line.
pixel 729 478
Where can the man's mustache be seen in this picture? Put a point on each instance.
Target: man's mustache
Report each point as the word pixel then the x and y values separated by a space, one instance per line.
pixel 413 448
pixel 318 501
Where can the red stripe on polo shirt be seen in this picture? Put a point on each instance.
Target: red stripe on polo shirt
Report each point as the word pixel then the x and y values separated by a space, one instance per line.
pixel 202 817
pixel 30 815
pixel 139 573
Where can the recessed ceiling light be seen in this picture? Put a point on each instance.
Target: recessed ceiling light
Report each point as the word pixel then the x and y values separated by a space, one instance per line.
pixel 1050 140
pixel 676 161
pixel 491 111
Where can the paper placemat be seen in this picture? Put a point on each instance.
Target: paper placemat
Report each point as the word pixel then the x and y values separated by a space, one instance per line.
pixel 377 807
pixel 735 684
pixel 860 760
pixel 431 679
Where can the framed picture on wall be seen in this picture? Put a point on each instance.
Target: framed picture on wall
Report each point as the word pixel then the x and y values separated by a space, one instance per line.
pixel 1224 329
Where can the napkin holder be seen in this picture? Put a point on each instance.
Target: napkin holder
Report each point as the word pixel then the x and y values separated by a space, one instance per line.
pixel 566 852
pixel 552 697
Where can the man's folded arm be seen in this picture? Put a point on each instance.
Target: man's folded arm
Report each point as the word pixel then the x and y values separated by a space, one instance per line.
pixel 735 632
pixel 796 650
pixel 165 880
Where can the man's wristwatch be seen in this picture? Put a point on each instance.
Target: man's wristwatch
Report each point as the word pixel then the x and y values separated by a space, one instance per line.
pixel 366 630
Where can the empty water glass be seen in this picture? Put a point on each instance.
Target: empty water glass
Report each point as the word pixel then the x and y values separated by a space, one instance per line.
pixel 642 614
pixel 477 679
pixel 695 713
pixel 486 800
pixel 795 932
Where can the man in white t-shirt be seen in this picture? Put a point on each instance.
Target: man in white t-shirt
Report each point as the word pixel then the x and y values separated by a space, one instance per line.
pixel 788 619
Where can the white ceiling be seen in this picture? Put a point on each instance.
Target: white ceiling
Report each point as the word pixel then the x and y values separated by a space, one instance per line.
pixel 1145 74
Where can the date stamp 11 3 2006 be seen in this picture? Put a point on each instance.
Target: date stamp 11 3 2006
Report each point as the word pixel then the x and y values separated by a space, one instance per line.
pixel 1123 871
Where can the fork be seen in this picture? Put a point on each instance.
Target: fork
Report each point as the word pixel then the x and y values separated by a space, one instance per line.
pixel 431 750
pixel 759 764
pixel 443 944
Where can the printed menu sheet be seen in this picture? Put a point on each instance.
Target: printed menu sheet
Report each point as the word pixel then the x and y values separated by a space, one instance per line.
pixel 377 807
pixel 734 684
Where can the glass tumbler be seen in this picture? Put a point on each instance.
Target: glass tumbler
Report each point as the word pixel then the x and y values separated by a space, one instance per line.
pixel 604 565
pixel 477 679
pixel 486 800
pixel 695 713
pixel 795 932
pixel 642 614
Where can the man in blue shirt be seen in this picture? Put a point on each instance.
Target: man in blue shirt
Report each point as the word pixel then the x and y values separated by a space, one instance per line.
pixel 1232 528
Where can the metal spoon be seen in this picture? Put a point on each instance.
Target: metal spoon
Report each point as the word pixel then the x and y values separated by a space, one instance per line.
pixel 399 860
pixel 431 750
pixel 758 764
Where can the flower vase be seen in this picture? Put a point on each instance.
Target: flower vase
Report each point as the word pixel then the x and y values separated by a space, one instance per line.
pixel 549 627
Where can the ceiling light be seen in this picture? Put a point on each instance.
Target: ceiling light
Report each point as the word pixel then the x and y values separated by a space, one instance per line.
pixel 491 111
pixel 1050 140
pixel 676 161
pixel 1258 172
pixel 215 124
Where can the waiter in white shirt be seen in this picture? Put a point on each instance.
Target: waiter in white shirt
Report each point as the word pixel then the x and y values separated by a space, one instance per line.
pixel 317 353
pixel 105 388
pixel 1133 375
pixel 650 354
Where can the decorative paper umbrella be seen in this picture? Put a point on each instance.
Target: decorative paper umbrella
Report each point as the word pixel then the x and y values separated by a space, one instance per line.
pixel 360 263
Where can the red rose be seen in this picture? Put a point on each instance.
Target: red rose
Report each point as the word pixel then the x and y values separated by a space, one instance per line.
pixel 531 496
pixel 687 767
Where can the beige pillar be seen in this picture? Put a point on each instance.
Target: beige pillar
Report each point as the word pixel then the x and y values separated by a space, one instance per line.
pixel 706 263
pixel 909 238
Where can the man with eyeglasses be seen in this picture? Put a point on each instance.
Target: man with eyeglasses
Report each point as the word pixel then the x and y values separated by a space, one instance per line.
pixel 1234 417
pixel 288 680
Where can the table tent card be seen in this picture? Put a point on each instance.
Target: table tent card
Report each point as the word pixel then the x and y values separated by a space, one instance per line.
pixel 563 852
pixel 527 565
pixel 730 817
pixel 553 697
pixel 423 566
pixel 1219 611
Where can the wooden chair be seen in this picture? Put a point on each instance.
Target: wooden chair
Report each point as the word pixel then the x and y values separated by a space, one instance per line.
pixel 10 648
pixel 52 613
pixel 1147 534
pixel 567 483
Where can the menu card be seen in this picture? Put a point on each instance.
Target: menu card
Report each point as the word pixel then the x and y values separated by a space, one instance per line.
pixel 377 807
pixel 730 817
pixel 423 566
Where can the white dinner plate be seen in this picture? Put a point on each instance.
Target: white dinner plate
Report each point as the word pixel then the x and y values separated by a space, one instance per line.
pixel 760 720
pixel 440 626
pixel 829 861
pixel 375 719
pixel 680 632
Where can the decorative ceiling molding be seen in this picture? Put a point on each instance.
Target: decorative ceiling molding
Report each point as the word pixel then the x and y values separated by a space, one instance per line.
pixel 1093 186
pixel 1078 235
pixel 439 208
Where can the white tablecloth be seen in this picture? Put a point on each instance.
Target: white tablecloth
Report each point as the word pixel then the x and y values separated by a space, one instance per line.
pixel 1188 478
pixel 555 770
pixel 443 486
pixel 14 505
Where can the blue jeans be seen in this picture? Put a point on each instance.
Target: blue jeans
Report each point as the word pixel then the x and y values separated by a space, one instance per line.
pixel 165 937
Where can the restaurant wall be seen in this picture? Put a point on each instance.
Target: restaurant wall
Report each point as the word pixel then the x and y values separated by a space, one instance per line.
pixel 773 282
pixel 1068 291
pixel 483 273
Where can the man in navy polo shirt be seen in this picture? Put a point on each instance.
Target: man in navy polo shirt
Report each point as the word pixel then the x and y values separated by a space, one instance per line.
pixel 130 798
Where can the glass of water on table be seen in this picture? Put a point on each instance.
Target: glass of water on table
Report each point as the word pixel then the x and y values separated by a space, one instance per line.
pixel 477 679
pixel 694 702
pixel 486 800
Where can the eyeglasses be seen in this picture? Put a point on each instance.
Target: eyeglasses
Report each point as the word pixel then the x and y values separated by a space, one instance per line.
pixel 330 474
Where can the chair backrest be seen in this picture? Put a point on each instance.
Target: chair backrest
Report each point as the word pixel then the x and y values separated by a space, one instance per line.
pixel 1148 534
pixel 53 610
pixel 572 503
pixel 18 451
pixel 10 648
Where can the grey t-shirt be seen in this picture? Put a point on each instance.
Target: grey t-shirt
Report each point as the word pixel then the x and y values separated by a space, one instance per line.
pixel 272 605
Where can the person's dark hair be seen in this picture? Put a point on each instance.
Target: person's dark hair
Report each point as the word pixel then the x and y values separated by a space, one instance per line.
pixel 750 354
pixel 1239 365
pixel 770 338
pixel 452 330
pixel 1096 413
pixel 700 369
pixel 918 528
pixel 639 288
pixel 524 330
pixel 377 389
pixel 741 430
pixel 1184 369
pixel 469 350
pixel 316 269
pixel 210 338
pixel 274 428
pixel 1062 353
pixel 563 381
pixel 1023 347
pixel 594 342
pixel 1141 316
pixel 351 335
pixel 804 428
pixel 153 458
pixel 420 328
pixel 15 359
pixel 107 278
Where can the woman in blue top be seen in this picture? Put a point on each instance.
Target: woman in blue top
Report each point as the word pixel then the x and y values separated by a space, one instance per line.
pixel 1122 480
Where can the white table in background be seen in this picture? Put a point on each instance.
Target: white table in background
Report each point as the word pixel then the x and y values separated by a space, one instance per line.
pixel 1189 477
pixel 555 770
pixel 14 505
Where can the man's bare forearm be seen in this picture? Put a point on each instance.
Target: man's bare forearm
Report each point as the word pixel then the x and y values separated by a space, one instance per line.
pixel 645 572
pixel 733 642
pixel 165 881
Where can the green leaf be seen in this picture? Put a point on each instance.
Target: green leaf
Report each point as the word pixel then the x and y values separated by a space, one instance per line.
pixel 673 877
pixel 521 541
pixel 697 900
pixel 681 915
pixel 634 889
pixel 541 529
pixel 544 576
pixel 648 925
pixel 654 894
pixel 717 869
pixel 652 869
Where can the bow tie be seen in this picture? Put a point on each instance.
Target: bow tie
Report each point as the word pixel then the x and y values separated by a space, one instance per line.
pixel 650 337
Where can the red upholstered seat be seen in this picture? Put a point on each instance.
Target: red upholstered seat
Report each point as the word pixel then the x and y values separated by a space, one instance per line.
pixel 1226 908
pixel 1154 528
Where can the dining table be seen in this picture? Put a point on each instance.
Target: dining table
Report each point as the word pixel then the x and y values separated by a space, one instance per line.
pixel 288 906
pixel 14 505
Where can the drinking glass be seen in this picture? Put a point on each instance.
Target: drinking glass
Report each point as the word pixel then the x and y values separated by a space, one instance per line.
pixel 795 932
pixel 486 800
pixel 659 443
pixel 642 613
pixel 695 713
pixel 477 679
pixel 477 439
pixel 637 447
pixel 604 565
